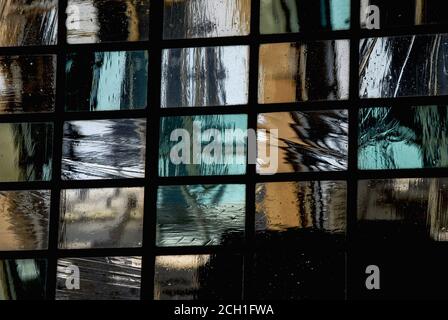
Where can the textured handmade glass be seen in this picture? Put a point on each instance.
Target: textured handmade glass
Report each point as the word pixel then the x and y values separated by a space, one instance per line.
pixel 205 18
pixel 403 209
pixel 403 66
pixel 304 15
pixel 115 80
pixel 27 83
pixel 202 145
pixel 403 138
pixel 104 149
pixel 105 278
pixel 205 76
pixel 198 277
pixel 25 151
pixel 292 72
pixel 197 215
pixel 101 218
pixel 25 23
pixel 306 141
pixel 23 279
pixel 107 20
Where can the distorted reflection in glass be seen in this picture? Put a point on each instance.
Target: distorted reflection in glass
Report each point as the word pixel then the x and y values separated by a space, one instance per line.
pixel 24 217
pixel 27 83
pixel 104 149
pixel 205 18
pixel 291 72
pixel 24 23
pixel 105 278
pixel 23 279
pixel 400 138
pixel 113 80
pixel 25 151
pixel 205 76
pixel 198 277
pixel 303 15
pixel 202 145
pixel 101 218
pixel 90 21
pixel 198 215
pixel 306 141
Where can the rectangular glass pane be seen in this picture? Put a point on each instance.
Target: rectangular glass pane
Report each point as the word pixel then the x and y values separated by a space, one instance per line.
pixel 105 278
pixel 26 23
pixel 403 138
pixel 292 72
pixel 206 76
pixel 27 83
pixel 101 218
pixel 306 141
pixel 113 80
pixel 198 277
pixel 107 20
pixel 202 145
pixel 205 18
pixel 25 151
pixel 198 215
pixel 303 15
pixel 24 217
pixel 104 149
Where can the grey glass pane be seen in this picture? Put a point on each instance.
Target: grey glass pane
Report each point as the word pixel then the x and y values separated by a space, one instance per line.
pixel 196 215
pixel 190 146
pixel 105 278
pixel 24 219
pixel 114 80
pixel 291 72
pixel 198 277
pixel 306 141
pixel 23 279
pixel 403 66
pixel 27 83
pixel 90 21
pixel 205 18
pixel 303 15
pixel 403 138
pixel 101 218
pixel 25 151
pixel 104 149
pixel 25 23
pixel 205 76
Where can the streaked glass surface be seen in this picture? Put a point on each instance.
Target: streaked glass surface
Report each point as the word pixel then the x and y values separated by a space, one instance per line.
pixel 101 218
pixel 104 149
pixel 205 76
pixel 291 72
pixel 27 83
pixel 205 18
pixel 111 80
pixel 198 215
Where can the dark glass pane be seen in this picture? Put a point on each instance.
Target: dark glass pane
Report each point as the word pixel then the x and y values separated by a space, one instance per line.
pixel 207 76
pixel 105 278
pixel 24 219
pixel 195 215
pixel 291 72
pixel 25 151
pixel 101 218
pixel 113 80
pixel 400 138
pixel 90 21
pixel 198 277
pixel 205 18
pixel 104 149
pixel 303 15
pixel 27 83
